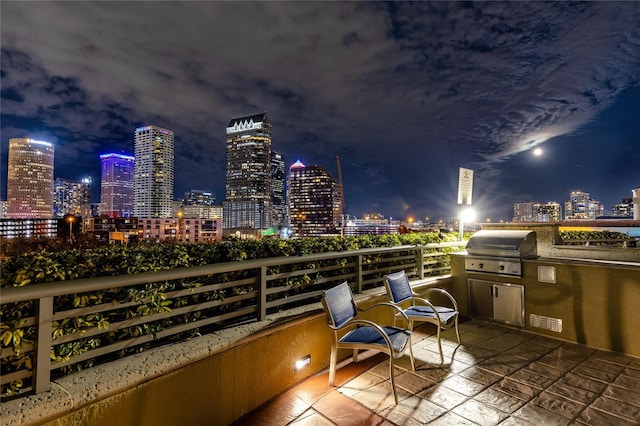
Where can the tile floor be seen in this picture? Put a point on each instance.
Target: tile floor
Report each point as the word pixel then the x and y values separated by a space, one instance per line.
pixel 498 375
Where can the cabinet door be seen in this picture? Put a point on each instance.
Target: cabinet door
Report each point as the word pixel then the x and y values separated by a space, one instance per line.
pixel 508 303
pixel 481 299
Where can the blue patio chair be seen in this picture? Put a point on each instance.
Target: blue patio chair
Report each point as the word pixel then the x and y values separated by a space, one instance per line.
pixel 420 309
pixel 352 332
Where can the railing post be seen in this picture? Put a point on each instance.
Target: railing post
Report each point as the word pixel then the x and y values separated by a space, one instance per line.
pixel 358 273
pixel 420 262
pixel 262 294
pixel 42 355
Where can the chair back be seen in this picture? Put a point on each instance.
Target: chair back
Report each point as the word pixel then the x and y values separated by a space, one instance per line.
pixel 399 287
pixel 339 304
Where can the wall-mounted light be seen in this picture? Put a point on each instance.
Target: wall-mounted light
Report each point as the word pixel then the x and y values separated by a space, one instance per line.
pixel 302 363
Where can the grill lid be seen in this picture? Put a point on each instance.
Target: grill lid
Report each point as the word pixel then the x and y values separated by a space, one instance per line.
pixel 503 243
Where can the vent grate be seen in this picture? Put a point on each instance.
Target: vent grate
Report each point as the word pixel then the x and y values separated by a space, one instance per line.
pixel 546 323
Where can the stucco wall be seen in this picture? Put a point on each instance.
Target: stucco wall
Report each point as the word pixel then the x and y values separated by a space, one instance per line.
pixel 596 300
pixel 211 380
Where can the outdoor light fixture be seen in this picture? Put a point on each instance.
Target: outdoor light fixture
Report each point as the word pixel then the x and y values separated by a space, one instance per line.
pixel 466 216
pixel 302 363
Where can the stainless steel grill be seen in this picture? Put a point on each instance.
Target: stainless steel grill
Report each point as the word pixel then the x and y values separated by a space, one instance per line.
pixel 500 251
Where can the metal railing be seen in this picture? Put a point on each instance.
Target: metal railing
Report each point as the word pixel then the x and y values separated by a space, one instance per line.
pixel 199 299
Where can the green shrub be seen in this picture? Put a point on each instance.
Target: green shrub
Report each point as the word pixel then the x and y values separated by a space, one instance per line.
pixel 43 266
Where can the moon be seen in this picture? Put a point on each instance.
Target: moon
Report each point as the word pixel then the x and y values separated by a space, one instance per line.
pixel 537 152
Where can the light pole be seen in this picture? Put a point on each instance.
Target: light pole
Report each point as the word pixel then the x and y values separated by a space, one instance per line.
pixel 466 215
pixel 180 223
pixel 71 219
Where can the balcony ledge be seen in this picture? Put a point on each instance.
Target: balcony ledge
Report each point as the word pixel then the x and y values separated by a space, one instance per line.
pixel 79 390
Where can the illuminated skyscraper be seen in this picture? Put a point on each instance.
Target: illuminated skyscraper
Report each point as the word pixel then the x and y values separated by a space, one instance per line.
pixel 581 206
pixel 248 184
pixel 153 172
pixel 116 185
pixel 198 197
pixel 71 197
pixel 314 201
pixel 30 179
pixel 548 212
pixel 278 192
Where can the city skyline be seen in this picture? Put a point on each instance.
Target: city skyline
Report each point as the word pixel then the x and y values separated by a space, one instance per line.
pixel 404 93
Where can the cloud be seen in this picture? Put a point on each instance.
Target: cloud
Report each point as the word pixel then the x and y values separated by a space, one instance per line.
pixel 406 83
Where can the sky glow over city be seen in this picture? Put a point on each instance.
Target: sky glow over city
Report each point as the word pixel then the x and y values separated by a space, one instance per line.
pixel 404 93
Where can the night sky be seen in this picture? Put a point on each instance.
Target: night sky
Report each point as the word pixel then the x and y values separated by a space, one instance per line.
pixel 405 93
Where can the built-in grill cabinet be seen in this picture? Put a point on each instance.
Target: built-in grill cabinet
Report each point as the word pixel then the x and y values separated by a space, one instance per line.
pixel 498 254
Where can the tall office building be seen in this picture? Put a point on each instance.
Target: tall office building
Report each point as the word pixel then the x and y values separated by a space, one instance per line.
pixel 278 192
pixel 623 209
pixel 70 197
pixel 314 201
pixel 582 207
pixel 30 179
pixel 198 197
pixel 248 183
pixel 523 212
pixel 198 204
pixel 548 212
pixel 116 185
pixel 153 172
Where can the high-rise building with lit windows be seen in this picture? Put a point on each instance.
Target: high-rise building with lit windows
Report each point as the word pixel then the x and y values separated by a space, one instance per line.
pixel 116 185
pixel 548 212
pixel 248 203
pixel 582 207
pixel 198 197
pixel 153 172
pixel 30 179
pixel 623 208
pixel 313 200
pixel 278 192
pixel 71 197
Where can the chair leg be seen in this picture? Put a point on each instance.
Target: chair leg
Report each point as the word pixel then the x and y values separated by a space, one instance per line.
pixel 413 364
pixel 393 380
pixel 457 331
pixel 440 345
pixel 332 364
pixel 355 355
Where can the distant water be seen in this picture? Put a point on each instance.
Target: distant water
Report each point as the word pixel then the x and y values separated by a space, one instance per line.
pixel 630 231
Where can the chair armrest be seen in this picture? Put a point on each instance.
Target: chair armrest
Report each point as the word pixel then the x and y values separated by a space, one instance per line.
pixel 387 304
pixel 444 292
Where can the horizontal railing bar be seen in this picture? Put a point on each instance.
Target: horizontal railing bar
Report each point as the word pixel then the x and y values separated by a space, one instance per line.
pixel 84 285
pixel 294 298
pixel 147 338
pixel 282 275
pixel 16 375
pixel 281 289
pixel 210 287
pixel 93 309
pixel 435 254
pixel 94 331
pixel 24 322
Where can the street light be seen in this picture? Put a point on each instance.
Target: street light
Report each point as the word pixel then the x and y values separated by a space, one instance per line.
pixel 468 216
pixel 71 219
pixel 180 224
